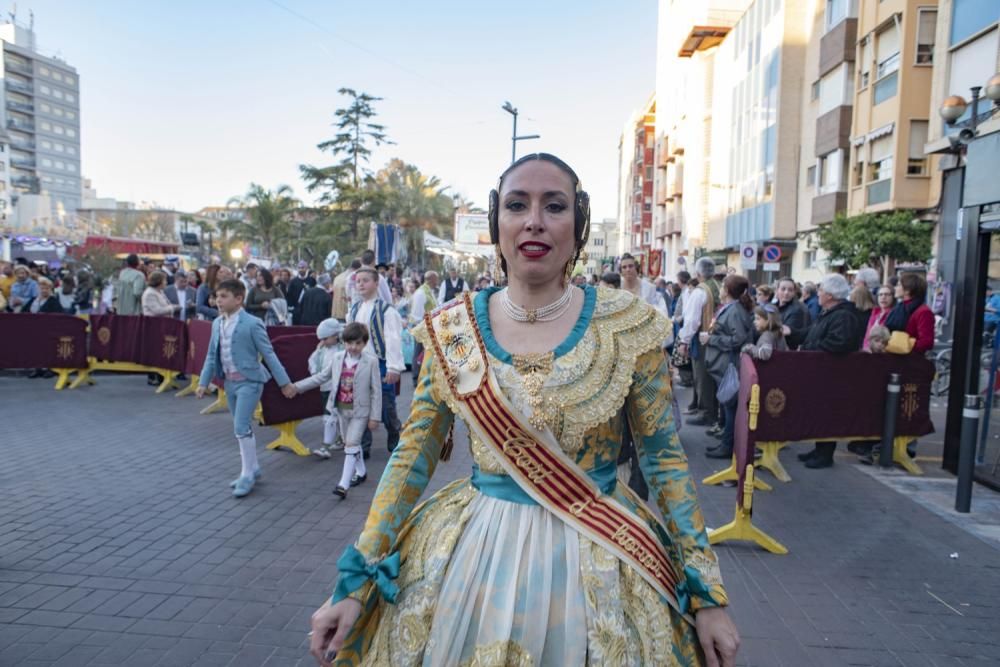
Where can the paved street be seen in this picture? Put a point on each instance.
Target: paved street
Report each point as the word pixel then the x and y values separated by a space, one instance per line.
pixel 120 544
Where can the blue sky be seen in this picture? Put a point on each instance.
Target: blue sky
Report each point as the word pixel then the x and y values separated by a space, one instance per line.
pixel 185 103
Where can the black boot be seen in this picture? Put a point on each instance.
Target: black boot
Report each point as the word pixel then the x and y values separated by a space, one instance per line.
pixel 720 451
pixel 823 457
pixel 806 456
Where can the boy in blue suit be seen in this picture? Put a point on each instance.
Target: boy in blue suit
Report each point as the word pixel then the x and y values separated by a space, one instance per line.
pixel 238 342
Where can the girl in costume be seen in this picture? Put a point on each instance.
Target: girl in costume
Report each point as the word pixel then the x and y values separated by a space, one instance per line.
pixel 540 557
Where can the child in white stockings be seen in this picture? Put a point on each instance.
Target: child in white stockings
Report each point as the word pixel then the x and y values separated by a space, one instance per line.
pixel 328 332
pixel 355 398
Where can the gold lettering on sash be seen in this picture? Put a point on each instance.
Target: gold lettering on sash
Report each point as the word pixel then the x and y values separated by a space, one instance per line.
pixel 580 506
pixel 632 547
pixel 516 447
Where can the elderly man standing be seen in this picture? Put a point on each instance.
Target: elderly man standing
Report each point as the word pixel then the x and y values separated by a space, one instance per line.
pixel 183 295
pixel 699 310
pixel 452 286
pixel 839 329
pixel 424 301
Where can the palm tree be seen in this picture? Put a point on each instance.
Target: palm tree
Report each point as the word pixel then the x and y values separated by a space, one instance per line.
pixel 267 219
pixel 414 201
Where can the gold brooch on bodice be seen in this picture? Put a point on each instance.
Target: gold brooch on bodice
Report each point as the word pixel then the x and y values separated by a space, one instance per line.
pixel 534 369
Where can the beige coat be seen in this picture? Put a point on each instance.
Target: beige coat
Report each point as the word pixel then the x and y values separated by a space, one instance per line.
pixel 367 385
pixel 156 304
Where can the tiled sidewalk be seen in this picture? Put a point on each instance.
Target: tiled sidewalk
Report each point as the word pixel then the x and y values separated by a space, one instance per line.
pixel 120 544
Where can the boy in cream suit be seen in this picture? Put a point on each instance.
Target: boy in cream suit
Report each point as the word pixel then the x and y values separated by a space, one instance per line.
pixel 355 397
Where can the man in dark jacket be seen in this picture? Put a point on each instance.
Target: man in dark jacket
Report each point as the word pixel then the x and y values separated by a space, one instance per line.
pixel 296 287
pixel 840 329
pixel 316 303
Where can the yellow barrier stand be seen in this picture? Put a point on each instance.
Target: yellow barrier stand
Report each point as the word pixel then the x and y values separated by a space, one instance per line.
pixel 769 460
pixel 190 389
pixel 902 457
pixel 258 413
pixel 63 378
pixel 741 527
pixel 287 438
pixel 730 475
pixel 169 377
pixel 220 403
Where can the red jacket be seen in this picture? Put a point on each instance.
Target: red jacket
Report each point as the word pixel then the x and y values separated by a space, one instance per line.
pixel 921 327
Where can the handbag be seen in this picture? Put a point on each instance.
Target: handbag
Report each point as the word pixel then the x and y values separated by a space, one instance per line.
pixel 730 385
pixel 680 357
pixel 900 343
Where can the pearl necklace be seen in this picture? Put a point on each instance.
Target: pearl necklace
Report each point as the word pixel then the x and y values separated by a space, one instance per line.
pixel 547 313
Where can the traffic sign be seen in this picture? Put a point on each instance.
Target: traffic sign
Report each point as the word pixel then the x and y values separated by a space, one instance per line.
pixel 748 256
pixel 772 253
pixel 772 266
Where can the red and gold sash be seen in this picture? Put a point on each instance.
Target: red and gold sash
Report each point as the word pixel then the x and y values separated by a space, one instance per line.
pixel 534 459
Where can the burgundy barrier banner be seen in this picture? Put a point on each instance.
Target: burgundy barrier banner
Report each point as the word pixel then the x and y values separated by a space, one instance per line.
pixel 199 336
pixel 277 332
pixel 45 340
pixel 164 343
pixel 293 352
pixel 809 395
pixel 819 396
pixel 116 337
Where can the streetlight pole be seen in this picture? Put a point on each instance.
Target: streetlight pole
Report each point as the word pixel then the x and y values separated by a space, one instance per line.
pixel 509 108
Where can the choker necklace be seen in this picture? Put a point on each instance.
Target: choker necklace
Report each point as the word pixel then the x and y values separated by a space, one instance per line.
pixel 547 313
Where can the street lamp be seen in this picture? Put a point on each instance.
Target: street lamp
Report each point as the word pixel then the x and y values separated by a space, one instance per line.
pixel 955 106
pixel 509 108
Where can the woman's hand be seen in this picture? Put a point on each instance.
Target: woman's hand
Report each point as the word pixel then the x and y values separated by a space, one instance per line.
pixel 265 304
pixel 718 636
pixel 330 625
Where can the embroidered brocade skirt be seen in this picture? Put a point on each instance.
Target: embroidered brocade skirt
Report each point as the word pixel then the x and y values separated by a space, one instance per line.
pixel 487 582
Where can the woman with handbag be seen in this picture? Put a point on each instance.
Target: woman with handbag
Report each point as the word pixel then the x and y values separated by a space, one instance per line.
pixel 729 332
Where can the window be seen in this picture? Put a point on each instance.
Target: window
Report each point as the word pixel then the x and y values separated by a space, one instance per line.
pixel 44 70
pixel 916 165
pixel 649 173
pixel 836 11
pixel 646 237
pixel 46 107
pixel 971 16
pixel 71 150
pixel 834 89
pixel 57 76
pixel 815 90
pixel 58 94
pixel 885 88
pixel 60 164
pixel 886 52
pixel 58 129
pixel 59 148
pixel 811 175
pixel 46 162
pixel 829 173
pixel 926 26
pixel 70 79
pixel 58 112
pixel 46 126
pixel 598 242
pixel 70 167
pixel 71 115
pixel 809 259
pixel 45 89
pixel 864 62
pixel 972 65
pixel 46 143
pixel 881 158
pixel 70 97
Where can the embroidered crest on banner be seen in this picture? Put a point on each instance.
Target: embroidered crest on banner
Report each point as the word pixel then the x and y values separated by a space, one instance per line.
pixel 774 402
pixel 169 347
pixel 64 348
pixel 104 335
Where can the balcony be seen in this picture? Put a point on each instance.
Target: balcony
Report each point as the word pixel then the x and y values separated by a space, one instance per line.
pixel 20 106
pixel 838 45
pixel 24 181
pixel 24 163
pixel 825 207
pixel 879 192
pixel 18 86
pixel 833 130
pixel 23 144
pixel 702 38
pixel 20 125
pixel 14 66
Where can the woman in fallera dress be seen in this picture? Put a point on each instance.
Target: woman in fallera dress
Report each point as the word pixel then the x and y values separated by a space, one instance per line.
pixel 538 558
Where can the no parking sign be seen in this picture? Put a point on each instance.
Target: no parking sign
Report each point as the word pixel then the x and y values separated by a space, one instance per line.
pixel 748 256
pixel 772 253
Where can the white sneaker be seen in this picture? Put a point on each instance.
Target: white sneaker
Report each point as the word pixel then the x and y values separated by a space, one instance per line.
pixel 337 446
pixel 322 452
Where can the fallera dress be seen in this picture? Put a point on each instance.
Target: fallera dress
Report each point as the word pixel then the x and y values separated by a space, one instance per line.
pixel 484 575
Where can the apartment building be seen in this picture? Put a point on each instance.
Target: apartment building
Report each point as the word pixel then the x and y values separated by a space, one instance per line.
pixel 635 182
pixel 756 131
pixel 41 113
pixel 688 37
pixel 602 244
